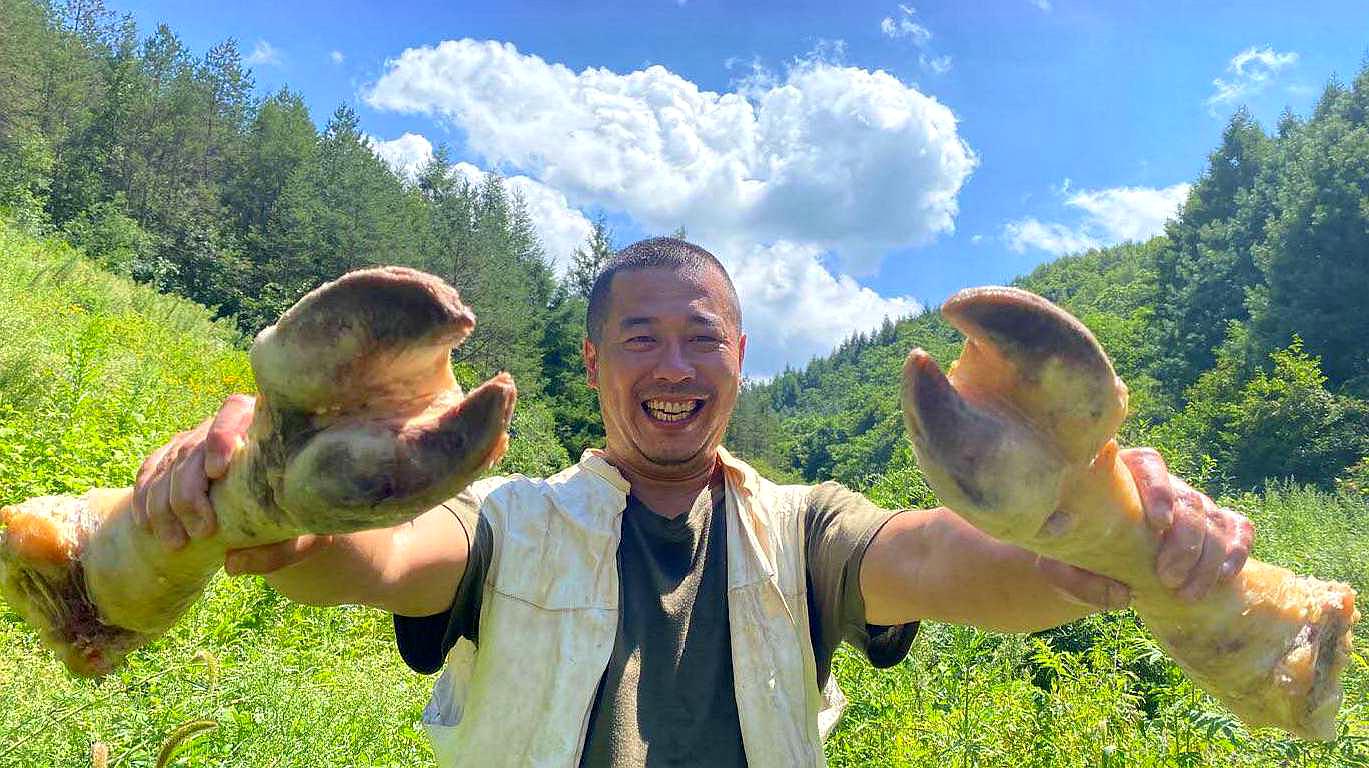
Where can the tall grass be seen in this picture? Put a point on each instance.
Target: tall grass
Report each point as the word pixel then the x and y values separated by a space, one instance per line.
pixel 95 371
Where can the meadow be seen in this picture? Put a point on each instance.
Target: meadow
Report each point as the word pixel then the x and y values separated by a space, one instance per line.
pixel 95 371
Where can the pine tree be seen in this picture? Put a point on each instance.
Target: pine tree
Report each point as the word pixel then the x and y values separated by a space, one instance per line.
pixel 591 258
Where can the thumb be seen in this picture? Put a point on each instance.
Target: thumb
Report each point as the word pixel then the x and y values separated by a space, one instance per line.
pixel 226 433
pixel 1084 587
pixel 269 558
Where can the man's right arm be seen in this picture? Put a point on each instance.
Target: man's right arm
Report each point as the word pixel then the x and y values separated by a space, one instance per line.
pixel 411 569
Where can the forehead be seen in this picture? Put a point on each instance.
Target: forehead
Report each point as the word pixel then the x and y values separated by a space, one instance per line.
pixel 667 294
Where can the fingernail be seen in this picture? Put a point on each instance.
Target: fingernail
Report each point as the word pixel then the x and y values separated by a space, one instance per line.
pixel 174 540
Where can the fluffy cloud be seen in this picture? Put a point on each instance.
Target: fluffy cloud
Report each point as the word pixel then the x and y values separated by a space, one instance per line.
pixel 822 164
pixel 336 56
pixel 1109 216
pixel 1129 213
pixel 847 159
pixel 1248 73
pixel 406 155
pixel 264 54
pixel 1042 5
pixel 794 309
pixel 1054 238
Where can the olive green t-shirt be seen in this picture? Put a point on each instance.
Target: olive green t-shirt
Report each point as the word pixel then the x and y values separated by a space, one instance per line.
pixel 666 698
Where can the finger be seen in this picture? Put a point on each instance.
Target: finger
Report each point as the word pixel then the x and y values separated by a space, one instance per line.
pixel 1209 566
pixel 1182 545
pixel 273 557
pixel 146 473
pixel 1152 479
pixel 164 522
pixel 1239 551
pixel 227 433
pixel 1085 587
pixel 190 495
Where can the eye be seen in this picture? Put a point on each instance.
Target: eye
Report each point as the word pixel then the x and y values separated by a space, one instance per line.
pixel 706 341
pixel 640 341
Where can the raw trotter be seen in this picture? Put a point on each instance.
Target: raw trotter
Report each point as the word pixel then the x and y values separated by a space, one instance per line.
pixel 1018 439
pixel 359 424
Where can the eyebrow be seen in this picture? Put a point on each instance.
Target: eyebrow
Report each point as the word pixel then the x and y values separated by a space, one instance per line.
pixel 710 321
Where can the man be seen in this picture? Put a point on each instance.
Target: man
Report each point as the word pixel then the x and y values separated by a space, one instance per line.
pixel 659 603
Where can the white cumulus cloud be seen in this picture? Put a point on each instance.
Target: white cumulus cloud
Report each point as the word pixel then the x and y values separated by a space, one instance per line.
pixel 264 54
pixel 794 309
pixel 336 56
pixel 406 155
pixel 1248 73
pixel 849 159
pixel 1108 216
pixel 822 164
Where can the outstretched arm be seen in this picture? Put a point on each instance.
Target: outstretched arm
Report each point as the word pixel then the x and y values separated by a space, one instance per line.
pixel 931 564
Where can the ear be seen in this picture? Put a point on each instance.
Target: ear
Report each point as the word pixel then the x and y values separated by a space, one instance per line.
pixel 591 363
pixel 741 351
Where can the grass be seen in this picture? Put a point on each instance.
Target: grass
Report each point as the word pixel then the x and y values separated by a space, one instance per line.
pixel 95 371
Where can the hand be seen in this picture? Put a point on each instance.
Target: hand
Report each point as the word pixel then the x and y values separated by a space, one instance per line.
pixel 269 558
pixel 1201 544
pixel 171 495
pixel 1084 587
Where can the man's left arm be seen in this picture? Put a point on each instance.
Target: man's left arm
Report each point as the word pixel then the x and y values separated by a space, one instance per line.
pixel 931 564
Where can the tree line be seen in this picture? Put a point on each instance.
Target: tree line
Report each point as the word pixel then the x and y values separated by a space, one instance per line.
pixel 168 167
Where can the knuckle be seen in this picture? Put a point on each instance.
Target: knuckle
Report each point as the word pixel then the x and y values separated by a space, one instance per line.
pixel 239 400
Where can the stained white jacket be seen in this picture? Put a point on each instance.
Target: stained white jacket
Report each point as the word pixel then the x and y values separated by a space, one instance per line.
pixel 549 617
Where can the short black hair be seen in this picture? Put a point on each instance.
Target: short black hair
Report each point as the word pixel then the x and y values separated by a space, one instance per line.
pixel 655 253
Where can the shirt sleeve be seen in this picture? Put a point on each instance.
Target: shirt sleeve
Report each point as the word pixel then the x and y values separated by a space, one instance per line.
pixel 839 526
pixel 425 640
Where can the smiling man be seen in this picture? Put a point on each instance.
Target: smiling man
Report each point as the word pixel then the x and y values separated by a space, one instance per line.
pixel 660 603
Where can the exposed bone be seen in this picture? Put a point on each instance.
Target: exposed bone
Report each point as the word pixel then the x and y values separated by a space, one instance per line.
pixel 359 424
pixel 1018 440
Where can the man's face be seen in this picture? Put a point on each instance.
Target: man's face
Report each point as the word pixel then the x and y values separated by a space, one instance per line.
pixel 668 368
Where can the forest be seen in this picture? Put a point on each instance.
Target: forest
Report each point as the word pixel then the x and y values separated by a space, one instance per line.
pixel 156 211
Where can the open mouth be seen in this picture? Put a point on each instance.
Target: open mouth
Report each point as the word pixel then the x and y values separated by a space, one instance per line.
pixel 673 411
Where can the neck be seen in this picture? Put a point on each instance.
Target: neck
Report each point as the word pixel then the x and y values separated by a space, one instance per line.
pixel 668 495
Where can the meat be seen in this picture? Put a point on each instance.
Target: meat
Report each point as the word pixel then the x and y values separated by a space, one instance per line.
pixel 359 424
pixel 1018 440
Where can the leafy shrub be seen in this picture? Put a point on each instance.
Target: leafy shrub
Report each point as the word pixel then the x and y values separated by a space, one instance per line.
pixel 111 238
pixel 25 178
pixel 1354 481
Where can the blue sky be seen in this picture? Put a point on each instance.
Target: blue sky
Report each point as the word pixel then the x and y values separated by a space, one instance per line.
pixel 846 160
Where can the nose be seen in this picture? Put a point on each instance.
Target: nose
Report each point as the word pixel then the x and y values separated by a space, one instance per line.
pixel 673 364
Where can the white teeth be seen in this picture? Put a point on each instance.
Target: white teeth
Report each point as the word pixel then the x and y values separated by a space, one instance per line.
pixel 667 410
